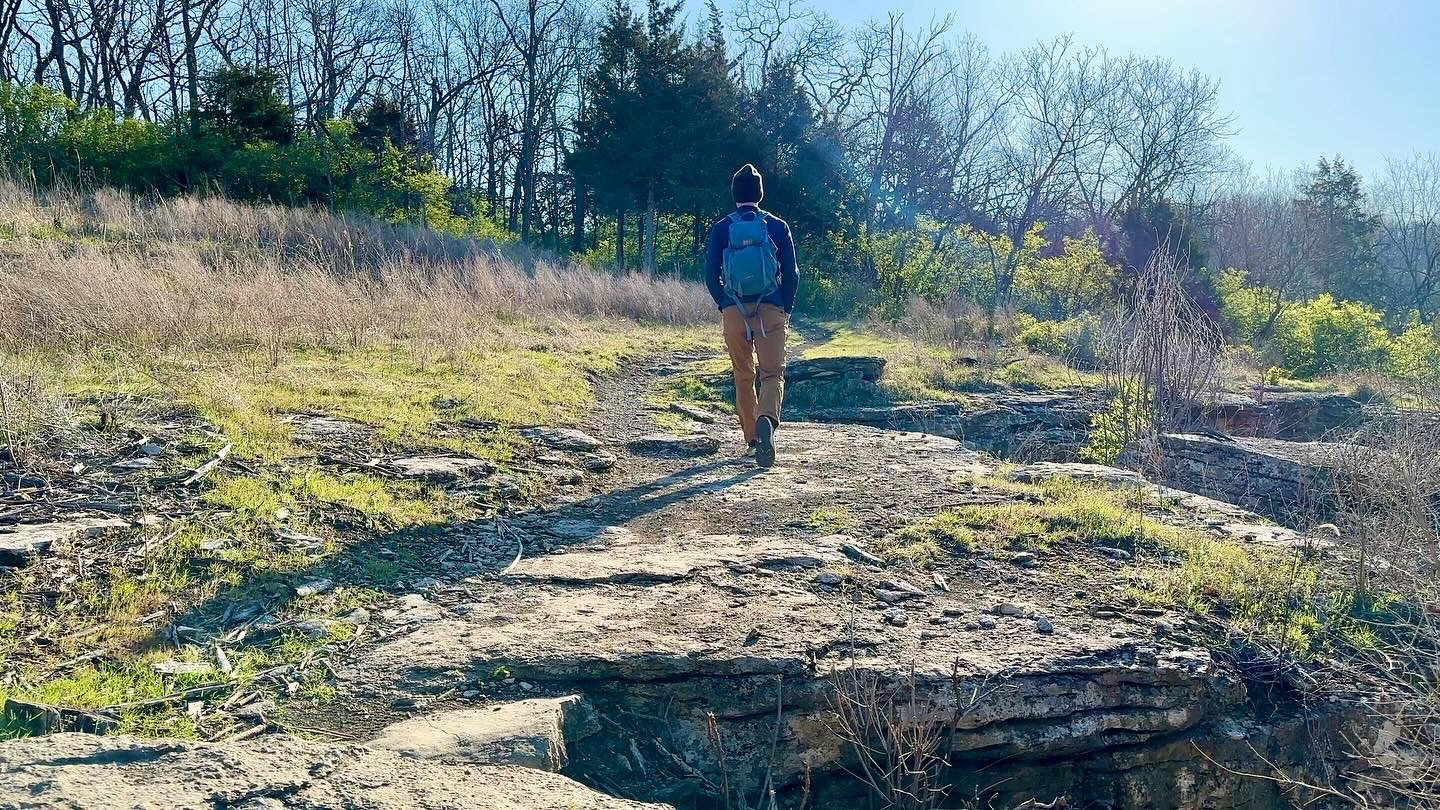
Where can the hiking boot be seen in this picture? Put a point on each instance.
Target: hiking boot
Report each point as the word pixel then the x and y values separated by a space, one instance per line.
pixel 765 442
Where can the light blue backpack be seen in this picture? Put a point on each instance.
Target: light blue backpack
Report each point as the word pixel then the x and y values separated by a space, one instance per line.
pixel 750 269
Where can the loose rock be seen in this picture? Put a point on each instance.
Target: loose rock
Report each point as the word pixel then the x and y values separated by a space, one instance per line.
pixel 665 444
pixel 562 439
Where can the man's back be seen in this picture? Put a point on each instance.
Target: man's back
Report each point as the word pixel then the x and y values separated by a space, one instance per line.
pixel 784 246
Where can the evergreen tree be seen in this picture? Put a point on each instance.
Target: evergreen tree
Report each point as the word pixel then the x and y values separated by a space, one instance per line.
pixel 382 120
pixel 1346 263
pixel 608 148
pixel 241 105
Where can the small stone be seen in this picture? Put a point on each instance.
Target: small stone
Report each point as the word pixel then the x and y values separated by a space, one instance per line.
pixel 952 612
pixel 1024 559
pixel 891 597
pixel 182 667
pixel 152 448
pixel 986 623
pixel 895 616
pixel 698 414
pixel 899 585
pixel 1164 628
pixel 470 694
pixel 1008 609
pixel 314 628
pixel 856 553
pixel 829 578
pixel 664 444
pixel 1117 553
pixel 1043 626
pixel 562 439
pixel 356 617
pixel 597 462
pixel 313 587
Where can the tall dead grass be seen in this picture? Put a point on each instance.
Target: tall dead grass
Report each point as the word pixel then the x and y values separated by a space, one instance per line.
pixel 109 269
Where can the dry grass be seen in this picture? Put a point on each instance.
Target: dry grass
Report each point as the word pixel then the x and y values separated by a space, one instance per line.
pixel 110 270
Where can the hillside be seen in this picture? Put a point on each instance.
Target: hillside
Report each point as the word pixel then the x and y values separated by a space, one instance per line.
pixel 277 483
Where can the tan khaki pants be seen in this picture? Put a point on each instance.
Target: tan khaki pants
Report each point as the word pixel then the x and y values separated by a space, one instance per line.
pixel 762 345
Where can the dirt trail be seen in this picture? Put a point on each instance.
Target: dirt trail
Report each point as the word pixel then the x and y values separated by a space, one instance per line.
pixel 702 608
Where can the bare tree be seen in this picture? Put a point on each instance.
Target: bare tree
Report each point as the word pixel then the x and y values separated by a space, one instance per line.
pixel 1261 230
pixel 1408 199
pixel 1058 95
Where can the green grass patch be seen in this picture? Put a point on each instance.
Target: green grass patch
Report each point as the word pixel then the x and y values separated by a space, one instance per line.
pixel 923 544
pixel 831 520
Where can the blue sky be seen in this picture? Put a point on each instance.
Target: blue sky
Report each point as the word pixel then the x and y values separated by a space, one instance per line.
pixel 1303 78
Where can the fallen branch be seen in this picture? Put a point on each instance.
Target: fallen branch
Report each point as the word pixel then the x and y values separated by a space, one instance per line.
pixel 206 468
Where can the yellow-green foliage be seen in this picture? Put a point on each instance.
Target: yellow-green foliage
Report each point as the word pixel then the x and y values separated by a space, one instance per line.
pixel 1076 281
pixel 1064 511
pixel 1075 339
pixel 927 542
pixel 1319 336
pixel 1415 354
pixel 831 519
pixel 1270 594
pixel 1128 416
pixel 1037 517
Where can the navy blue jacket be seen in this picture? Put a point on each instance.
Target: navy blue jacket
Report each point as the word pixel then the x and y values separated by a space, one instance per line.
pixel 784 253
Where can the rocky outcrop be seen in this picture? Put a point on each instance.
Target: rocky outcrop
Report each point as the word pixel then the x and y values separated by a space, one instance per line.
pixel 1016 426
pixel 531 733
pixel 707 632
pixel 835 369
pixel 1288 415
pixel 1292 483
pixel 273 773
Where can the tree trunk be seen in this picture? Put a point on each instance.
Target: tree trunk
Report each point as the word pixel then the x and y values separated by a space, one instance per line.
pixel 192 66
pixel 620 240
pixel 577 221
pixel 650 230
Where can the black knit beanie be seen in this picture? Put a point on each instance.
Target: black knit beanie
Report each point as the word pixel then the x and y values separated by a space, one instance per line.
pixel 747 185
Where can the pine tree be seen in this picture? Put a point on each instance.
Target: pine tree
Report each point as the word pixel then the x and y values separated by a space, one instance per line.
pixel 609 144
pixel 1346 263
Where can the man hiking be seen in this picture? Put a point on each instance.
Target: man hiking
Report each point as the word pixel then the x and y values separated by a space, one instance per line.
pixel 750 270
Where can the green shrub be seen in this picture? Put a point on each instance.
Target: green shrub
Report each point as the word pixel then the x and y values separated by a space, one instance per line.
pixel 1128 416
pixel 1415 354
pixel 1325 336
pixel 1074 339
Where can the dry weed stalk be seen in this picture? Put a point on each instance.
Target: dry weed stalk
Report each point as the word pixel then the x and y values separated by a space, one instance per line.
pixel 1387 493
pixel 1160 354
pixel 899 735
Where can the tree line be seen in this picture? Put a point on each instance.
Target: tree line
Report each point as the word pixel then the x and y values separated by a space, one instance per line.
pixel 905 153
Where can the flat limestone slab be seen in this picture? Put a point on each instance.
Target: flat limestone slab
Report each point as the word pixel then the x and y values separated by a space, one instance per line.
pixel 528 733
pixel 630 557
pixel 122 772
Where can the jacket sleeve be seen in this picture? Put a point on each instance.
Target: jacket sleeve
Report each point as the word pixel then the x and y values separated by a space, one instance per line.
pixel 789 272
pixel 714 254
